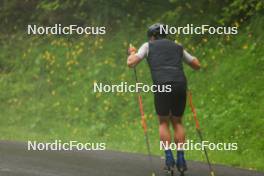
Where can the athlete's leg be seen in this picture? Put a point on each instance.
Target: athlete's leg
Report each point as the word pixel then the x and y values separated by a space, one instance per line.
pixel 165 138
pixel 179 138
pixel 162 106
pixel 178 107
pixel 179 133
pixel 164 129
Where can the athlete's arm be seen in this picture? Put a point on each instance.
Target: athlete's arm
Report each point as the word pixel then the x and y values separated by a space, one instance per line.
pixel 191 60
pixel 134 58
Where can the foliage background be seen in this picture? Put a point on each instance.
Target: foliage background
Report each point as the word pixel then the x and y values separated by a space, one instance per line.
pixel 46 81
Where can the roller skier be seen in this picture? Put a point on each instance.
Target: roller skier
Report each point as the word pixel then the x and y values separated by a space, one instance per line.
pixel 165 59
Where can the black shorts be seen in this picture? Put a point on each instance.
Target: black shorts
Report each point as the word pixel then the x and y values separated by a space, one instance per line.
pixel 171 103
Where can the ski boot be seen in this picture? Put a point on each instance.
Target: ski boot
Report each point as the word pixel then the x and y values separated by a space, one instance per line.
pixel 181 163
pixel 170 162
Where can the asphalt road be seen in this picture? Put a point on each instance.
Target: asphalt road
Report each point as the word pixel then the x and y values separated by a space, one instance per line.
pixel 16 160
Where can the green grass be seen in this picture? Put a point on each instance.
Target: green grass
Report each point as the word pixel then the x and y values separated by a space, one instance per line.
pixel 46 94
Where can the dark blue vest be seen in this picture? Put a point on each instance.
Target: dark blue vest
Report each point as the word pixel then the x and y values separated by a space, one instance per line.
pixel 165 61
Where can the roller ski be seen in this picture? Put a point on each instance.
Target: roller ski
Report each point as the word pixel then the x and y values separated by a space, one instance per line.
pixel 169 163
pixel 181 163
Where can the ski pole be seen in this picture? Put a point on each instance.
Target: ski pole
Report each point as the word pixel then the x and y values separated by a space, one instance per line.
pixel 144 124
pixel 197 125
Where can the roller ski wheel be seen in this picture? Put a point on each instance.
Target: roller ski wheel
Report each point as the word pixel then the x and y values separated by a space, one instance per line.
pixel 168 171
pixel 181 169
pixel 182 173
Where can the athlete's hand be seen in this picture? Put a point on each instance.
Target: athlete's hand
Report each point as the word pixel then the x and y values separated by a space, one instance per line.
pixel 195 64
pixel 131 50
